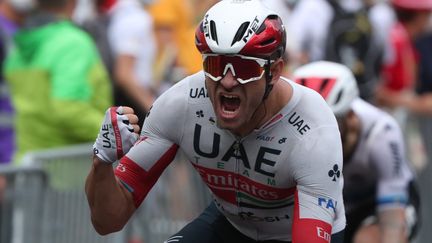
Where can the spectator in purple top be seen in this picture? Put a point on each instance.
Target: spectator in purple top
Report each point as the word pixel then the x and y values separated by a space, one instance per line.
pixel 12 14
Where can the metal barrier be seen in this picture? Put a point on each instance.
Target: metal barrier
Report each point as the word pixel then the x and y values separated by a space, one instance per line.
pixel 66 216
pixel 22 193
pixel 177 197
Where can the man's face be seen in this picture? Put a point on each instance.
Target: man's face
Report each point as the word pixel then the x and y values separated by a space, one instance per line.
pixel 235 104
pixel 236 86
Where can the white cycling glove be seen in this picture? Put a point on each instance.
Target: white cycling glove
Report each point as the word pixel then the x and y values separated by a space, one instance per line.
pixel 115 137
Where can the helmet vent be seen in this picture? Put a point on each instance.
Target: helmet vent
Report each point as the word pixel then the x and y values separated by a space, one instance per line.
pixel 261 28
pixel 339 96
pixel 240 32
pixel 323 84
pixel 302 81
pixel 268 42
pixel 213 31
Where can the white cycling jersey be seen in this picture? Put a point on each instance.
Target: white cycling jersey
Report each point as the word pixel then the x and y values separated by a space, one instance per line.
pixel 378 168
pixel 281 180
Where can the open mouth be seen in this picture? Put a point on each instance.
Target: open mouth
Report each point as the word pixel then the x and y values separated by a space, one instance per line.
pixel 230 104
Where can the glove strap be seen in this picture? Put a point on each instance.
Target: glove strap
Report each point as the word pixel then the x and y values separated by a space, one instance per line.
pixel 119 146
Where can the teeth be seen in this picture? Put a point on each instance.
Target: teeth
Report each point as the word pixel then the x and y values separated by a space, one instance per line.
pixel 227 111
pixel 230 96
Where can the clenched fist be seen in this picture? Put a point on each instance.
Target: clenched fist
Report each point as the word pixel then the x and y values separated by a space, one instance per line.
pixel 118 133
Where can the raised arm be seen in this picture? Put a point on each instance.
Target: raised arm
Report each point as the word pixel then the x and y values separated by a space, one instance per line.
pixel 111 205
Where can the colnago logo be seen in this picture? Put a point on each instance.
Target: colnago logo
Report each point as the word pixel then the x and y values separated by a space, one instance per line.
pixel 236 188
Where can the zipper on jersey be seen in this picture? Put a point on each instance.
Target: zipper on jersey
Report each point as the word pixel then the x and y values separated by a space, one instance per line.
pixel 238 141
pixel 237 173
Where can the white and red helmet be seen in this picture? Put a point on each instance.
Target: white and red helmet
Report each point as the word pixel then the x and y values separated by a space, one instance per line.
pixel 244 27
pixel 335 82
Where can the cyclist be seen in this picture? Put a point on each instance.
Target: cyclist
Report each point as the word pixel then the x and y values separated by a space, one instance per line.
pixel 260 142
pixel 380 199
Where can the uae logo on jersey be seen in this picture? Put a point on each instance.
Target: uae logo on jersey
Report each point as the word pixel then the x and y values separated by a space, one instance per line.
pixel 335 172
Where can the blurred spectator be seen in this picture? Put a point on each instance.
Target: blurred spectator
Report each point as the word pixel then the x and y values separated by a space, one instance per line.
pixel 12 13
pixel 341 31
pixel 400 70
pixel 383 18
pixel 380 188
pixel 309 23
pixel 97 27
pixel 59 87
pixel 132 41
pixel 175 27
pixel 420 101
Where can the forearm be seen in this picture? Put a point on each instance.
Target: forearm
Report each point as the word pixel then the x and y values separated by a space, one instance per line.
pixel 393 226
pixel 110 204
pixel 421 104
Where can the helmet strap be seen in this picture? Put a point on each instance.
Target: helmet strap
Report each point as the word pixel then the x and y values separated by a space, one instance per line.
pixel 268 77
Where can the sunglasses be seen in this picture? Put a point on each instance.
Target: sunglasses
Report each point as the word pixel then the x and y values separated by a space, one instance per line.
pixel 244 68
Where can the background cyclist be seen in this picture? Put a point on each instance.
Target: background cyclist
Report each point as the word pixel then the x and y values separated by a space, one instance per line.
pixel 380 199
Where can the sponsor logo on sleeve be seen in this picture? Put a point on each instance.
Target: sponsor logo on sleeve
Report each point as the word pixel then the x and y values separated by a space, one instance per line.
pixel 323 234
pixel 121 167
pixel 196 93
pixel 297 122
pixel 327 203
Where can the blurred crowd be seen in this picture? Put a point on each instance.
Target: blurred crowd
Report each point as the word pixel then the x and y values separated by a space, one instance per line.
pixel 64 62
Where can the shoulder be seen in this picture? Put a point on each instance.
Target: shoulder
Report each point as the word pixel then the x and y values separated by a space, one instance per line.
pixel 69 32
pixel 66 35
pixel 311 123
pixel 370 114
pixel 375 121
